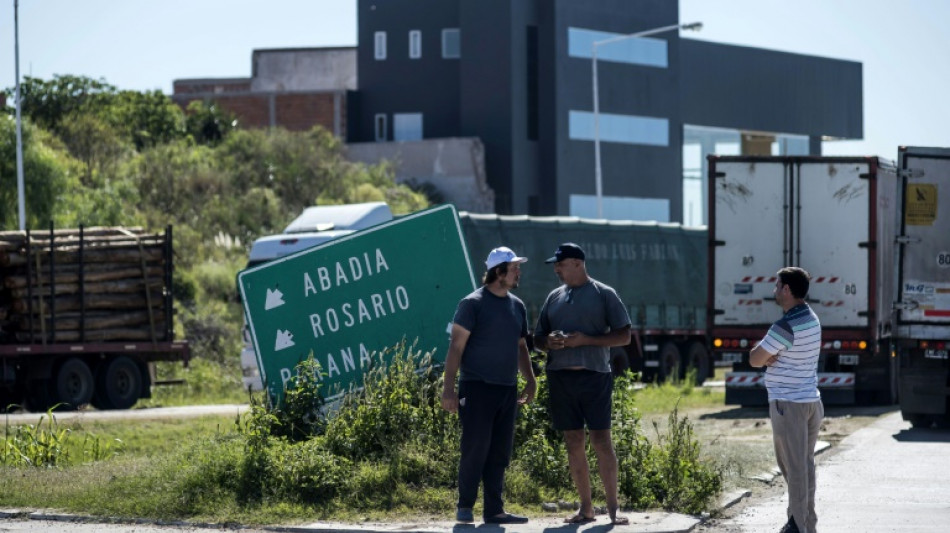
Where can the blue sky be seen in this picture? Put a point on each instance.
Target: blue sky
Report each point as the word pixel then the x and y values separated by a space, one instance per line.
pixel 133 44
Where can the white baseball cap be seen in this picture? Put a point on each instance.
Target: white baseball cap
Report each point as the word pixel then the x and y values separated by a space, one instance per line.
pixel 502 254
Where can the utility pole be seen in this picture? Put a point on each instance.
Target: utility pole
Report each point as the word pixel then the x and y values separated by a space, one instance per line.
pixel 19 133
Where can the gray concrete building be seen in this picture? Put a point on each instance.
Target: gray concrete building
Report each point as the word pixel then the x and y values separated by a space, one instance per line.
pixel 517 74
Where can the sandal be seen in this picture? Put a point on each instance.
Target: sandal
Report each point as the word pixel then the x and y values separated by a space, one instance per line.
pixel 579 518
pixel 620 520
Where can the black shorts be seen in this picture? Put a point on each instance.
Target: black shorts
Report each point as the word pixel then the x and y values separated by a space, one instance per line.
pixel 579 397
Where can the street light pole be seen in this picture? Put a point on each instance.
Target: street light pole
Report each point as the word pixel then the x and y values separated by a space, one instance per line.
pixel 19 135
pixel 598 178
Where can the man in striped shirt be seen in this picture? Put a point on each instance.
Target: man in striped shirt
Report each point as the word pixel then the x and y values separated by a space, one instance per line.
pixel 790 352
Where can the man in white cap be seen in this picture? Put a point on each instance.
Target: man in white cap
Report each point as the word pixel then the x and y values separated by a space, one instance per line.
pixel 488 345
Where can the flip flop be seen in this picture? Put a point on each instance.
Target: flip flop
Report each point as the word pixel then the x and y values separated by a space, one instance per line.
pixel 579 519
pixel 620 520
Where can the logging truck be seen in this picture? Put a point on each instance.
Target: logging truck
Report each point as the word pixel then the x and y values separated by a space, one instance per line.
pixel 84 314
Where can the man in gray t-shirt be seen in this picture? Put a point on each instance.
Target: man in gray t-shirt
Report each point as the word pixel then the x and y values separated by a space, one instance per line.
pixel 489 346
pixel 578 324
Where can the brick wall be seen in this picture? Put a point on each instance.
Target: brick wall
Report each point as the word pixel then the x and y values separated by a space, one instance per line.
pixel 212 86
pixel 293 111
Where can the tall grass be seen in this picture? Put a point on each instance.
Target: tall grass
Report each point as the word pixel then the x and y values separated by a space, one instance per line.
pixel 50 445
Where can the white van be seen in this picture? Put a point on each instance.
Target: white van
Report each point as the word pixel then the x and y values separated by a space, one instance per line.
pixel 316 225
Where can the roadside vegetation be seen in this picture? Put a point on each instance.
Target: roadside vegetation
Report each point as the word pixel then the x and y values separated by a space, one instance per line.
pixel 389 451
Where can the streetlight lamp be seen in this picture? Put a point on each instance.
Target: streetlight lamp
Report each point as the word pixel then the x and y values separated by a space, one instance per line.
pixel 598 180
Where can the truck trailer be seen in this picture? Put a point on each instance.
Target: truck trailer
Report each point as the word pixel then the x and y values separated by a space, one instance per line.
pixel 83 315
pixel 836 217
pixel 923 280
pixel 658 269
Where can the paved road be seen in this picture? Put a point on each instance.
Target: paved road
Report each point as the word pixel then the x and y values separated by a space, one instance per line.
pixel 885 477
pixel 130 414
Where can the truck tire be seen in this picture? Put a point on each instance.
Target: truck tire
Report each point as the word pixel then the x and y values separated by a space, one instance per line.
pixel 72 384
pixel 697 358
pixel 118 384
pixel 670 363
pixel 38 398
pixel 920 421
pixel 10 398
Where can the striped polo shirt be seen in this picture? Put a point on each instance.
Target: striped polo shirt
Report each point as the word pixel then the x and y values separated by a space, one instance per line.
pixel 796 339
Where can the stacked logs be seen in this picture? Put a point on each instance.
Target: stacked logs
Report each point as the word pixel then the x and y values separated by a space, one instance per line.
pixel 98 284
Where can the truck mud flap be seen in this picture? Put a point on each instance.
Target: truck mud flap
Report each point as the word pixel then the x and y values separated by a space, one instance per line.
pixel 924 393
pixel 747 396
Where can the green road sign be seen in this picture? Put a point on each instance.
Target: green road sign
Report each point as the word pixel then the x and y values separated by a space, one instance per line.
pixel 347 299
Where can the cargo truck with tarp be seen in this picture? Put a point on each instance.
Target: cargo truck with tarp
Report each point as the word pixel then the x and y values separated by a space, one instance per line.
pixel 658 269
pixel 83 315
pixel 923 270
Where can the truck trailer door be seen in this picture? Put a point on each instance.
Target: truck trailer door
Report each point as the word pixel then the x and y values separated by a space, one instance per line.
pixel 750 213
pixel 830 236
pixel 924 270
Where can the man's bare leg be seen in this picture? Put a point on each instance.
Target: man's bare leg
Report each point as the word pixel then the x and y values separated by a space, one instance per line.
pixel 607 466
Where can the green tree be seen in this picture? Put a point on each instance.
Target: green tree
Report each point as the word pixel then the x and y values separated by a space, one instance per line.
pixel 208 123
pixel 48 173
pixel 147 118
pixel 48 102
pixel 95 143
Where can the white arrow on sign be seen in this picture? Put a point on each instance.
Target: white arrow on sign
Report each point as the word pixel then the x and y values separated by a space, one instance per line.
pixel 275 298
pixel 285 339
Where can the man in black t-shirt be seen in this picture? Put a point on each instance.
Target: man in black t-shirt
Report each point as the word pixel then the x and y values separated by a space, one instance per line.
pixel 488 345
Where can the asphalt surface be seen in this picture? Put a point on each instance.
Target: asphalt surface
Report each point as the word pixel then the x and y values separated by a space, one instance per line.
pixel 882 478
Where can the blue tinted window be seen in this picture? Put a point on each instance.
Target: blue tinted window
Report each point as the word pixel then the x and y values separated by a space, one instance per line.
pixel 629 129
pixel 646 51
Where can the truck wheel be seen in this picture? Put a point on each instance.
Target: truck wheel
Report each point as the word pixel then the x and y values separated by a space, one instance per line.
pixel 72 384
pixel 920 421
pixel 38 397
pixel 697 358
pixel 618 361
pixel 10 399
pixel 118 384
pixel 669 363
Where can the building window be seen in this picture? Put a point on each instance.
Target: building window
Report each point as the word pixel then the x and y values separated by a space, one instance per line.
pixel 645 51
pixel 407 126
pixel 626 129
pixel 451 43
pixel 620 207
pixel 379 45
pixel 381 127
pixel 415 44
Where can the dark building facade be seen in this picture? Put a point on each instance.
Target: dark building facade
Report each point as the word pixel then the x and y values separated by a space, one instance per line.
pixel 518 75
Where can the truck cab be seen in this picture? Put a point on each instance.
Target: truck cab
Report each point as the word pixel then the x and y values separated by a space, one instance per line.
pixel 315 225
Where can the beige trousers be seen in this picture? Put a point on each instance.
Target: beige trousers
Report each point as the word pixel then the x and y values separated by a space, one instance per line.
pixel 794 432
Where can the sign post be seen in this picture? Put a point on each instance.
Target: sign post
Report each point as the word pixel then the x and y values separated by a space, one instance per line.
pixel 345 301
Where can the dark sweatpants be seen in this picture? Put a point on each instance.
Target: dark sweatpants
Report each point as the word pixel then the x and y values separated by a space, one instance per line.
pixel 488 431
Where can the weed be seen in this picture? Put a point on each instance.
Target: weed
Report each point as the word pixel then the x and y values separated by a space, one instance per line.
pixel 49 445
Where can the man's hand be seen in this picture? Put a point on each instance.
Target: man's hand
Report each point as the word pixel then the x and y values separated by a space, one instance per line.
pixel 527 394
pixel 450 400
pixel 557 340
pixel 771 360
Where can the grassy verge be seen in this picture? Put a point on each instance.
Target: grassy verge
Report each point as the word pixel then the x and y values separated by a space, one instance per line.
pixel 390 456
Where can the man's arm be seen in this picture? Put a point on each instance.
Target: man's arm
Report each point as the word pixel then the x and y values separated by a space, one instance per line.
pixel 459 338
pixel 617 337
pixel 524 365
pixel 760 357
